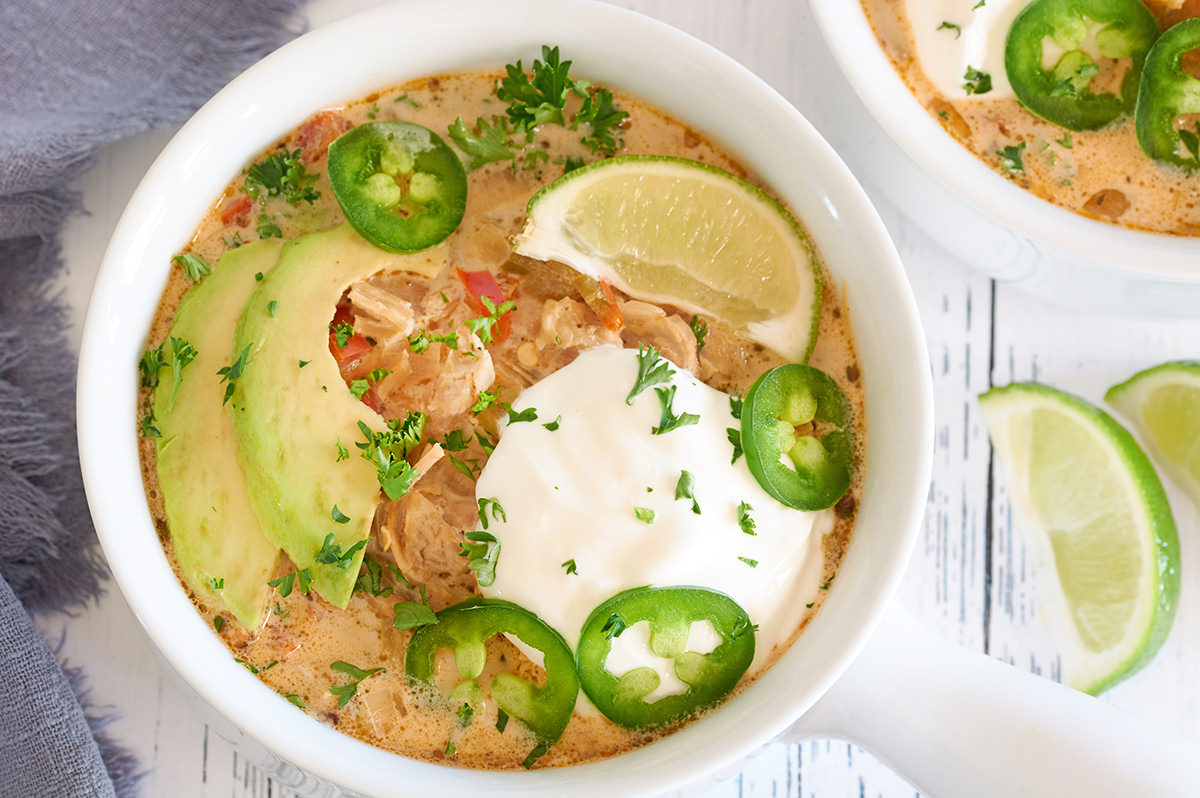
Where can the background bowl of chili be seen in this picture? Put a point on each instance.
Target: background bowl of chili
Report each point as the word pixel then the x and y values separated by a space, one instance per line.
pixel 983 218
pixel 609 46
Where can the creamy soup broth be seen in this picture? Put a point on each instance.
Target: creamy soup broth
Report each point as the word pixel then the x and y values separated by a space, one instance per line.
pixel 1102 174
pixel 301 634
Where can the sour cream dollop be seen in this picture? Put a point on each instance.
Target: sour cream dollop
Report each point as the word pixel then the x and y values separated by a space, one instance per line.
pixel 573 493
pixel 972 37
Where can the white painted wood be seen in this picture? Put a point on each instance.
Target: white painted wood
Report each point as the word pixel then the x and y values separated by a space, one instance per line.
pixel 969 578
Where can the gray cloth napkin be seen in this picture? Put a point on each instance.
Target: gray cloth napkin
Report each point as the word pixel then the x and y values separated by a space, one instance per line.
pixel 75 74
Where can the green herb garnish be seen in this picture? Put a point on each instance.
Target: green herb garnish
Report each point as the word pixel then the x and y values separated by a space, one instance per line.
pixel 571 567
pixel 345 692
pixel 745 522
pixel 267 228
pixel 497 511
pixel 489 146
pixel 653 369
pixel 976 82
pixel 192 266
pixel 300 579
pixel 644 514
pixel 669 420
pixel 282 174
pixel 482 551
pixel 1010 157
pixel 684 489
pixel 482 326
pixel 230 374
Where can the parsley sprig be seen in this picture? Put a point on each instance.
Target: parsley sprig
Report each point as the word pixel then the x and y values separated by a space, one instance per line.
pixel 482 551
pixel 192 266
pixel 281 175
pixel 412 614
pixel 482 326
pixel 345 692
pixel 174 352
pixel 685 489
pixel 301 579
pixel 387 452
pixel 230 374
pixel 331 552
pixel 653 369
pixel 489 146
pixel 670 421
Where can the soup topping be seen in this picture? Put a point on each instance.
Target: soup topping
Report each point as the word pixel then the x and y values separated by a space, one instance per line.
pixel 425 487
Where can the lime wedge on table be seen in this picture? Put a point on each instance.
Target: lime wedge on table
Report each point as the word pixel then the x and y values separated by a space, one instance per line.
pixel 687 234
pixel 1164 403
pixel 1099 525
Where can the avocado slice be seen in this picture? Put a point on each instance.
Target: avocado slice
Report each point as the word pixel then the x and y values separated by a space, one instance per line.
pixel 289 418
pixel 214 529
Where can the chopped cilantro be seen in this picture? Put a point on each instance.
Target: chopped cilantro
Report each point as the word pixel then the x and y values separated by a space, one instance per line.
pixel 218 623
pixel 1010 157
pixel 281 174
pixel 404 98
pixel 744 520
pixel 465 714
pixel 149 428
pixel 482 326
pixel 497 511
pixel 230 374
pixel 1065 141
pixel 295 699
pixel 750 562
pixel 218 583
pixel 735 439
pixel 345 692
pixel 976 82
pixel 359 388
pixel 653 369
pixel 331 552
pixel 571 162
pixel 342 452
pixel 267 228
pixel 412 614
pixel 469 467
pixel 537 753
pixel 614 626
pixel 192 266
pixel 387 452
pixel 553 425
pixel 419 341
pixel 735 406
pixel 343 331
pixel 700 330
pixel 669 420
pixel 304 363
pixel 300 579
pixel 181 353
pixel 684 489
pixel 482 551
pixel 571 567
pixel 455 441
pixel 528 414
pixel 485 443
pixel 272 306
pixel 338 516
pixel 951 26
pixel 644 514
pixel 489 146
pixel 486 399
pixel 370 580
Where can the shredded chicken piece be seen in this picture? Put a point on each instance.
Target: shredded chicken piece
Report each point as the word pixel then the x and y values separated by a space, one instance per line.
pixel 442 382
pixel 651 325
pixel 380 314
pixel 426 549
pixel 566 324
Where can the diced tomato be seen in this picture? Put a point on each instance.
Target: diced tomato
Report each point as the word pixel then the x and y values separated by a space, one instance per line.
pixel 318 133
pixel 481 283
pixel 349 356
pixel 613 319
pixel 234 207
pixel 370 401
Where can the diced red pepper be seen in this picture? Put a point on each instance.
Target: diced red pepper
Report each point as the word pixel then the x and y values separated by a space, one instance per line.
pixel 613 319
pixel 235 206
pixel 479 284
pixel 318 133
pixel 348 357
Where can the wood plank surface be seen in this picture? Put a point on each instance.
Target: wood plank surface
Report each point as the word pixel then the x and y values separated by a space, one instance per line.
pixel 969 579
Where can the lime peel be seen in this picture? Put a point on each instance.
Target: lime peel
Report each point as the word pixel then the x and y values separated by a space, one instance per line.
pixel 1164 404
pixel 687 234
pixel 1100 527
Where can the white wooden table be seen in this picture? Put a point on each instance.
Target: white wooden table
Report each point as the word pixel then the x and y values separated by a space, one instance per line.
pixel 969 578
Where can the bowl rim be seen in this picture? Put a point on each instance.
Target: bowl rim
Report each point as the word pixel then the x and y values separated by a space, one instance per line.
pixel 136 263
pixel 848 32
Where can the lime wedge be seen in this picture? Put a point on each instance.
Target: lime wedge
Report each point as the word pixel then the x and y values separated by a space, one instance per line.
pixel 1164 403
pixel 687 234
pixel 1098 522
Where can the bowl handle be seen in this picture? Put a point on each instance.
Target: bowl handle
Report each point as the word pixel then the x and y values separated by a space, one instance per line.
pixel 956 722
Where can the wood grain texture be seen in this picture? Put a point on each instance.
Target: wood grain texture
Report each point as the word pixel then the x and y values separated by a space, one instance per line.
pixel 969 577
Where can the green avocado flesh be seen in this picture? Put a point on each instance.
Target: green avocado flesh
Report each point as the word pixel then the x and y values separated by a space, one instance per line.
pixel 288 420
pixel 214 530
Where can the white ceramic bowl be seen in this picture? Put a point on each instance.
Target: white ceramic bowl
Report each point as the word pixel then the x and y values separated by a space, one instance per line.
pixel 386 46
pixel 986 220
